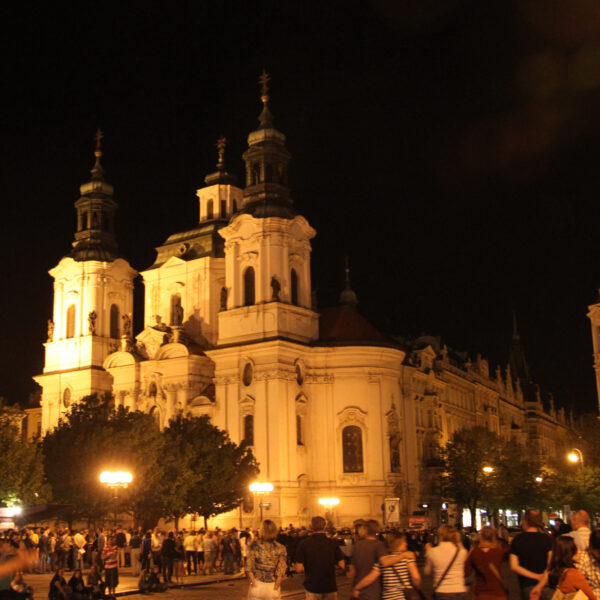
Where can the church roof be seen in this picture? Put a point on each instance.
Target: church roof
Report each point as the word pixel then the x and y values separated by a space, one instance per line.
pixel 344 325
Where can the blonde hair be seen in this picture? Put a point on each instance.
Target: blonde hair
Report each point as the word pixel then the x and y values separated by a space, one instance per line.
pixel 268 530
pixel 448 534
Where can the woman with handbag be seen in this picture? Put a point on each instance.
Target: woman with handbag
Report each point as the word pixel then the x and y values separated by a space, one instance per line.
pixel 485 561
pixel 447 562
pixel 397 571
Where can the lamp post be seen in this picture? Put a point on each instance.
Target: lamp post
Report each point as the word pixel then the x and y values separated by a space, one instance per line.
pixel 258 488
pixel 115 480
pixel 488 470
pixel 575 456
pixel 329 503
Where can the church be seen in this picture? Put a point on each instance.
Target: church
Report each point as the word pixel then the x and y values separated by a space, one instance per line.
pixel 332 407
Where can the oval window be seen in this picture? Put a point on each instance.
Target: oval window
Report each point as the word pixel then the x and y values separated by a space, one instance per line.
pixel 299 375
pixel 247 374
pixel 67 398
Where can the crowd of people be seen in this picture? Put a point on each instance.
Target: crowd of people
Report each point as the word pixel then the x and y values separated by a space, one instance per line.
pixel 381 564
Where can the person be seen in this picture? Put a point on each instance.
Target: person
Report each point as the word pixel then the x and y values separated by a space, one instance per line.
pixel 580 522
pixel 529 553
pixel 135 544
pixel 167 553
pixel 95 583
pixel 178 560
pixel 121 542
pixel 78 588
pixel 156 585
pixel 589 562
pixel 397 571
pixel 266 564
pixel 485 561
pixel 447 563
pixel 229 549
pixel 366 552
pixel 209 552
pixel 20 590
pixel 200 550
pixel 146 551
pixel 189 545
pixel 59 590
pixel 317 557
pixel 78 549
pixel 111 565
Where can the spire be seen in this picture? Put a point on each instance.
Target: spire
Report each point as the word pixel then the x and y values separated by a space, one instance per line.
pixel 267 193
pixel 95 235
pixel 517 360
pixel 220 176
pixel 348 296
pixel 97 171
pixel 516 335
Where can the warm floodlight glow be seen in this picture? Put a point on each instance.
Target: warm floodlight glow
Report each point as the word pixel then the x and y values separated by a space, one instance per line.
pixel 260 488
pixel 14 511
pixel 574 458
pixel 328 501
pixel 488 470
pixel 116 478
pixel 539 479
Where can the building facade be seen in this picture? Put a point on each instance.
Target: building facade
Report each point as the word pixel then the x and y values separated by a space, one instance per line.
pixel 331 406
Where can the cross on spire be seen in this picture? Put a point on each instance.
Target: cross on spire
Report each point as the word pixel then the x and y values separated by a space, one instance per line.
pixel 221 145
pixel 98 137
pixel 264 86
pixel 97 170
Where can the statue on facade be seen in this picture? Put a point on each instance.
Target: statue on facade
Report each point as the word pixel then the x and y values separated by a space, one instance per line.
pixel 395 439
pixel 276 287
pixel 177 315
pixel 92 322
pixel 50 330
pixel 126 325
pixel 159 325
pixel 224 294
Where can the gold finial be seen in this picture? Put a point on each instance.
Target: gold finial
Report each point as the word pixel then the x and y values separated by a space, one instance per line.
pixel 347 271
pixel 221 145
pixel 264 86
pixel 98 137
pixel 97 170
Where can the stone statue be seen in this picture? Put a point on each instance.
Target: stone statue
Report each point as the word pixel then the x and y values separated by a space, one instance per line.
pixel 159 324
pixel 276 287
pixel 224 294
pixel 395 440
pixel 92 322
pixel 50 330
pixel 177 316
pixel 126 325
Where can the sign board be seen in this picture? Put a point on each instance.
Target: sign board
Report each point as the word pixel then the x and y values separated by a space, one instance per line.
pixel 391 510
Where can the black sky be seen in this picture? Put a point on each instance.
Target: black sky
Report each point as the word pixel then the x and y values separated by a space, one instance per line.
pixel 449 148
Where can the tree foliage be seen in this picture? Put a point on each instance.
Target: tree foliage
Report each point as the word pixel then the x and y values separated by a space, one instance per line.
pixel 21 469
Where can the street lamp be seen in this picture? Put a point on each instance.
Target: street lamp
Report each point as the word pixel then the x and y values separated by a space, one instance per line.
pixel 115 480
pixel 488 470
pixel 539 479
pixel 329 503
pixel 575 456
pixel 258 488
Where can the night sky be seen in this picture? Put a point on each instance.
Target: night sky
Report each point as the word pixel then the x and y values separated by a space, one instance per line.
pixel 449 148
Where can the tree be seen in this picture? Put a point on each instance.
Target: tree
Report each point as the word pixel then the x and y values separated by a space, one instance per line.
pixel 576 485
pixel 465 456
pixel 208 473
pixel 94 437
pixel 21 470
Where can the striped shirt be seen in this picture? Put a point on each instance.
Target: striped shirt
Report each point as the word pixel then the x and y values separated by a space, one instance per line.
pixel 394 579
pixel 109 555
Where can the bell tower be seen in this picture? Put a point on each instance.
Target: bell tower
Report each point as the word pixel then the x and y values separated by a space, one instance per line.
pixel 267 248
pixel 93 302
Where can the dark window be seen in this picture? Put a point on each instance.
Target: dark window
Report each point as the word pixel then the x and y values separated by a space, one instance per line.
pixel 209 210
pixel 67 398
pixel 248 374
pixel 299 430
pixel 234 204
pixel 268 173
pixel 249 295
pixel 83 224
pixel 294 286
pixel 223 208
pixel 255 173
pixel 70 321
pixel 352 449
pixel 95 220
pixel 114 321
pixel 176 310
pixel 249 429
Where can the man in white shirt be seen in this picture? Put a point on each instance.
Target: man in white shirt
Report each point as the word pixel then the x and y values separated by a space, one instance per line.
pixel 189 545
pixel 580 522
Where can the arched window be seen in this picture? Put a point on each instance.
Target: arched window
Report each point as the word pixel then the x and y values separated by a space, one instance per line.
pixel 249 294
pixel 299 440
pixel 114 321
pixel 95 220
pixel 255 173
pixel 176 310
pixel 209 210
pixel 223 208
pixel 83 224
pixel 249 429
pixel 294 286
pixel 352 450
pixel 70 321
pixel 234 204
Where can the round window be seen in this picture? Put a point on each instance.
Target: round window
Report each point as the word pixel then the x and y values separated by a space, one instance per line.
pixel 67 398
pixel 299 374
pixel 247 374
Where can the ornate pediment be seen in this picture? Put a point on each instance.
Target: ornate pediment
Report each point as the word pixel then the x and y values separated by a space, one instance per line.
pixel 150 340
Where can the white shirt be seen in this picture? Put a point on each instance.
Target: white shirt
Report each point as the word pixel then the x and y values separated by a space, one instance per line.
pixel 581 537
pixel 438 558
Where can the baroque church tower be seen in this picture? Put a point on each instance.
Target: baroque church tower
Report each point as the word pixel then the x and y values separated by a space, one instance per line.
pixel 93 302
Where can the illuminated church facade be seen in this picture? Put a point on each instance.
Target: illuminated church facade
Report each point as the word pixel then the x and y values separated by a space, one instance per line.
pixel 331 406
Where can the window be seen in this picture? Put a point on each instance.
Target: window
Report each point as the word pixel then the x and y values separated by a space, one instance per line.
pixel 255 173
pixel 67 398
pixel 249 429
pixel 223 208
pixel 299 440
pixel 70 321
pixel 84 223
pixel 234 204
pixel 249 297
pixel 268 173
pixel 352 452
pixel 294 286
pixel 248 374
pixel 114 321
pixel 209 210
